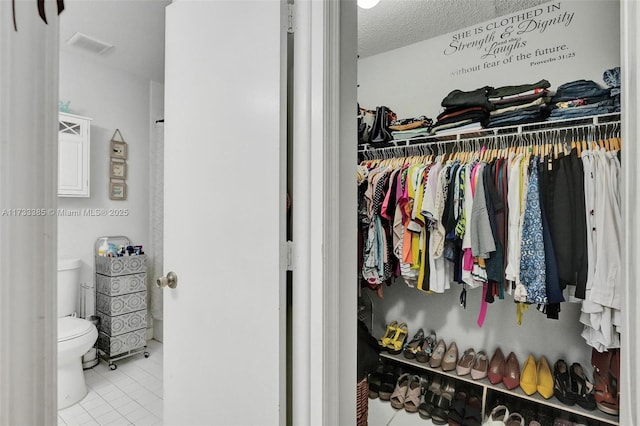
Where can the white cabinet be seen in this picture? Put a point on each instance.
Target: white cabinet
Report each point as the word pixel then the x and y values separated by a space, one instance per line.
pixel 73 155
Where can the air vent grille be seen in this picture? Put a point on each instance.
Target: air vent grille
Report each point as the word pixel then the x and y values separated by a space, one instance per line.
pixel 88 43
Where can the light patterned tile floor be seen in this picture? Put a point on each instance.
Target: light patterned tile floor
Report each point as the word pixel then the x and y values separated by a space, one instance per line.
pixel 129 395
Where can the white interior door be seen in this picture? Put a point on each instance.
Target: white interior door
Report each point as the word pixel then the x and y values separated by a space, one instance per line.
pixel 224 213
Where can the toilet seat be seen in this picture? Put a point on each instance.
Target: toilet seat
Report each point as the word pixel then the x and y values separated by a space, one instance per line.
pixel 71 328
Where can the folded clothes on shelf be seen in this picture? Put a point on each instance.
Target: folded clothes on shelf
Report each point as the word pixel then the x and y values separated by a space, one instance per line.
pixel 506 92
pixel 523 116
pixel 459 98
pixel 410 134
pixel 411 123
pixel 579 89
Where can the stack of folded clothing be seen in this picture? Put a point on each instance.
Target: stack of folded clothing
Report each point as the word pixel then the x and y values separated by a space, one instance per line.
pixel 612 78
pixel 580 98
pixel 408 128
pixel 464 111
pixel 521 104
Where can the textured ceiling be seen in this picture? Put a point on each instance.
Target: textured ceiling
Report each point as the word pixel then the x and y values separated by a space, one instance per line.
pixel 134 27
pixel 397 23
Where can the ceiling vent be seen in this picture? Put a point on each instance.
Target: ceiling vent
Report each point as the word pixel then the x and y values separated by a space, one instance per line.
pixel 90 44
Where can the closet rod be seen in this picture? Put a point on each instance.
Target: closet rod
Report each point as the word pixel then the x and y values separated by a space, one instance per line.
pixel 536 128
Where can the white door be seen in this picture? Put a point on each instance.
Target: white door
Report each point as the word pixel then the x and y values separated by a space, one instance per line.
pixel 224 213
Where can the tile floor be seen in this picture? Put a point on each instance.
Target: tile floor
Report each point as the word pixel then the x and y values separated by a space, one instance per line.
pixel 129 395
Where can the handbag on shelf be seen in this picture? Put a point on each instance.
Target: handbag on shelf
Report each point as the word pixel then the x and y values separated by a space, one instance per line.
pixel 380 135
pixel 366 119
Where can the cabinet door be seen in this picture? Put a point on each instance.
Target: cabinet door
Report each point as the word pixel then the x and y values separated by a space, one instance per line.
pixel 73 156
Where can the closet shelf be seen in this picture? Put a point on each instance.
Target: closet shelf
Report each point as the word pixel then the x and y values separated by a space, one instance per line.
pixel 518 392
pixel 490 133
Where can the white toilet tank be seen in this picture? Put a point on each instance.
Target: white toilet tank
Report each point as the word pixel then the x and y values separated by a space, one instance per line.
pixel 68 286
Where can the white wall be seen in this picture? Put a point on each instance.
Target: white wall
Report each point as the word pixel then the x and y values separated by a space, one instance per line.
pixel 413 81
pixel 114 100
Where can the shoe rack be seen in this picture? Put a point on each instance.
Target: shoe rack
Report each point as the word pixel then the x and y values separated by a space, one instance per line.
pixel 488 387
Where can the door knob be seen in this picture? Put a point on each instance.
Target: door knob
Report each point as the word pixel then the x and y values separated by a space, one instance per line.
pixel 171 280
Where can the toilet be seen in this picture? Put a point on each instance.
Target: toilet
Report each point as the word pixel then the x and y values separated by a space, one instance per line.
pixel 75 335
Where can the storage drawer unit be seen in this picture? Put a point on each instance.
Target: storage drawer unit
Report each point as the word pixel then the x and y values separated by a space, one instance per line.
pixel 124 343
pixel 121 304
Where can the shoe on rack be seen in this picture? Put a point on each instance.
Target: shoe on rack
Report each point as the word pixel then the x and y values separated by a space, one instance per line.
pixel 514 419
pixel 545 379
pixel 450 359
pixel 438 354
pixel 457 409
pixel 606 369
pixel 496 367
pixel 428 346
pixel 480 366
pixel 562 383
pixel 426 408
pixel 388 335
pixel 498 416
pixel 414 345
pixel 511 375
pixel 604 394
pixel 529 376
pixel 473 411
pixel 396 344
pixel 414 392
pixel 582 387
pixel 466 362
pixel 399 394
pixel 436 385
pixel 440 413
pixel 389 380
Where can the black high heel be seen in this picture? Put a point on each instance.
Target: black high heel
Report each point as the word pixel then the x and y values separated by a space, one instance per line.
pixel 582 387
pixel 562 383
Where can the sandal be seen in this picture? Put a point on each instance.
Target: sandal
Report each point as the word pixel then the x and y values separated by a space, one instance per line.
pixel 562 383
pixel 436 385
pixel 605 389
pixel 399 394
pixel 457 409
pixel 582 387
pixel 388 335
pixel 414 345
pixel 426 350
pixel 473 412
pixel 603 395
pixel 426 408
pixel 412 397
pixel 440 413
pixel 388 383
pixel 396 344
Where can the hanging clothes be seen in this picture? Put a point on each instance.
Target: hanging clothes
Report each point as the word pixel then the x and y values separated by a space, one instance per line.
pixel 540 222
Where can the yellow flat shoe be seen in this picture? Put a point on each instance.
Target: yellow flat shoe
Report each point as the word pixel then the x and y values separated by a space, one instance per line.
pixel 545 378
pixel 529 376
pixel 389 334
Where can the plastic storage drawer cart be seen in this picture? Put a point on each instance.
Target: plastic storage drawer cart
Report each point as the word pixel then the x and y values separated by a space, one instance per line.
pixel 121 304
